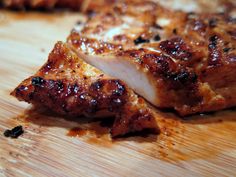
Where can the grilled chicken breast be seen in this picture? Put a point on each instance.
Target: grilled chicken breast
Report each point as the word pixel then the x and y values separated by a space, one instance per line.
pixel 47 4
pixel 69 86
pixel 84 5
pixel 198 5
pixel 184 61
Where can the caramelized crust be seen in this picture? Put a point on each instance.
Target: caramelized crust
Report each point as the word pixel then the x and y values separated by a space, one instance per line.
pixel 181 53
pixel 83 5
pixel 176 85
pixel 69 86
pixel 89 5
pixel 189 58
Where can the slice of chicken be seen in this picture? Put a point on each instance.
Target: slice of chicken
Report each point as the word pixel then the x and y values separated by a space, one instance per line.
pixel 90 5
pixel 82 5
pixel 44 4
pixel 167 57
pixel 69 86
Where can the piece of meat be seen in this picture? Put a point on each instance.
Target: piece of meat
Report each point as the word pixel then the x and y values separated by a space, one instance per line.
pixel 198 5
pixel 69 86
pixel 46 4
pixel 170 58
pixel 83 5
pixel 89 5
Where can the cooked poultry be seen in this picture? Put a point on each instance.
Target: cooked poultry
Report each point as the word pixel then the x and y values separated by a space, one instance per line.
pixel 185 61
pixel 47 4
pixel 69 86
pixel 82 5
pixel 198 5
pixel 185 5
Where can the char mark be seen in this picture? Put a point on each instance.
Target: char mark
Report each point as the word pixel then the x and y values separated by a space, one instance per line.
pixel 176 48
pixel 141 40
pixel 215 54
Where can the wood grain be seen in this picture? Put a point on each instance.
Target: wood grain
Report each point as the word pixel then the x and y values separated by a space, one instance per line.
pixel 196 146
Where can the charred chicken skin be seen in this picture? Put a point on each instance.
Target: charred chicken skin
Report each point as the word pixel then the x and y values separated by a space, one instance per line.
pixel 184 61
pixel 173 59
pixel 184 5
pixel 69 86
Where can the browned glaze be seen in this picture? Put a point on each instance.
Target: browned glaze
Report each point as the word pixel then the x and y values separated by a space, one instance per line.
pixel 77 132
pixel 41 4
pixel 69 86
pixel 82 5
pixel 182 62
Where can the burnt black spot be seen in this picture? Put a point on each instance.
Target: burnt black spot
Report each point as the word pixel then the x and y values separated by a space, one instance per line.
pixel 97 85
pixel 213 22
pixel 226 49
pixel 176 48
pixel 7 133
pixel 15 132
pixel 213 42
pixel 174 31
pixel 140 40
pixel 184 77
pixel 157 37
pixel 120 89
pixel 215 53
pixel 37 81
pixel 59 85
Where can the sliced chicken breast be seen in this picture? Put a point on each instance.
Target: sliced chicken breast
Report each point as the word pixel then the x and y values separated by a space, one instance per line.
pixel 69 86
pixel 89 5
pixel 168 57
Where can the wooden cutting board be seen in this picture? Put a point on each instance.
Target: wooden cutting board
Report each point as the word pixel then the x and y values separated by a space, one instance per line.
pixel 203 145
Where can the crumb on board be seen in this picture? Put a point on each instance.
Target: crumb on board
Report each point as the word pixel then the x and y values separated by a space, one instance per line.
pixel 15 132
